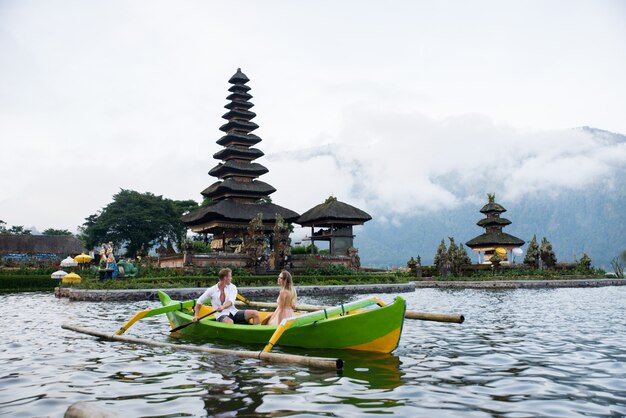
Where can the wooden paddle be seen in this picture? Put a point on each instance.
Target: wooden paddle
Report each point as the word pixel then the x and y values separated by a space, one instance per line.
pixel 157 311
pixel 192 322
pixel 244 300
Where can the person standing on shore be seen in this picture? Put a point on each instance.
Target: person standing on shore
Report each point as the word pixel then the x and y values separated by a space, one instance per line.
pixel 223 296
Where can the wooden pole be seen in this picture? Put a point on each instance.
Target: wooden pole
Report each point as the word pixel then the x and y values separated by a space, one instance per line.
pixel 319 362
pixel 423 316
pixel 438 317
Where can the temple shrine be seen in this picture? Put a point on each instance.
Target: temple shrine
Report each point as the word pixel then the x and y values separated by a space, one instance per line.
pixel 246 228
pixel 237 211
pixel 493 238
pixel 334 220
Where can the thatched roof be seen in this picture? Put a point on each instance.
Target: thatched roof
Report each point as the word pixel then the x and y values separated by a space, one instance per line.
pixel 255 188
pixel 239 113
pixel 232 167
pixel 239 104
pixel 494 239
pixel 240 125
pixel 493 221
pixel 40 244
pixel 241 96
pixel 239 87
pixel 229 210
pixel 239 153
pixel 239 78
pixel 333 212
pixel 238 138
pixel 492 207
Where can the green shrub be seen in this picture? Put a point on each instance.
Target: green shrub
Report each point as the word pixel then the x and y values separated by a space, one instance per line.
pixel 201 247
pixel 27 283
pixel 24 270
pixel 329 270
pixel 301 249
pixel 239 280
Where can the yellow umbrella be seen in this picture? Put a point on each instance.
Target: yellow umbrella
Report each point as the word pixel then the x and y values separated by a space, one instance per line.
pixel 83 258
pixel 71 278
pixel 501 251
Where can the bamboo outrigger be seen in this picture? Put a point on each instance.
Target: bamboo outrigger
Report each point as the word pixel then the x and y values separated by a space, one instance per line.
pixel 319 362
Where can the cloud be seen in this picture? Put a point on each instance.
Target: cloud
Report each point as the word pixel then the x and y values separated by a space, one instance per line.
pixel 397 164
pixel 385 111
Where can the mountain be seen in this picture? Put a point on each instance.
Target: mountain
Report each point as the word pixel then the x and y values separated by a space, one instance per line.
pixel 590 219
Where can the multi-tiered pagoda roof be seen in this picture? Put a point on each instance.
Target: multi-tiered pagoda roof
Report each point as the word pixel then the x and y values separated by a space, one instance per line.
pixel 493 224
pixel 237 196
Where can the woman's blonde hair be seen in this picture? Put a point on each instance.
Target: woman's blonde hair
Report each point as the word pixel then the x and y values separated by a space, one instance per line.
pixel 289 287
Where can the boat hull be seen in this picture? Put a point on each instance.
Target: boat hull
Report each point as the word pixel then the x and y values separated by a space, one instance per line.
pixel 376 330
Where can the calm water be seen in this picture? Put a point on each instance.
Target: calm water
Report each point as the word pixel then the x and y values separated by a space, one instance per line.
pixel 557 352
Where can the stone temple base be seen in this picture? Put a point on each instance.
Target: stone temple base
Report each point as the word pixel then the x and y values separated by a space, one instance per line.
pixel 298 262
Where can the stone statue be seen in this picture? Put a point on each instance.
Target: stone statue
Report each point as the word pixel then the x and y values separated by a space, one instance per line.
pixel 355 260
pixel 254 242
pixel 282 243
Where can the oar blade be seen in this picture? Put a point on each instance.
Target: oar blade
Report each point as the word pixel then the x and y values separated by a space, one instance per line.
pixel 178 328
pixel 276 335
pixel 131 321
pixel 156 311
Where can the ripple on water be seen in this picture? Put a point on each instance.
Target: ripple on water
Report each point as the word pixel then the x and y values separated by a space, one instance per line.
pixel 520 353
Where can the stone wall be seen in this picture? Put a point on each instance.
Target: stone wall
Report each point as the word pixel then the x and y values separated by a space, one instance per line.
pixel 250 292
pixel 205 260
pixel 302 262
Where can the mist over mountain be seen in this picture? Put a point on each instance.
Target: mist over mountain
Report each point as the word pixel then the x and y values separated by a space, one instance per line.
pixel 588 219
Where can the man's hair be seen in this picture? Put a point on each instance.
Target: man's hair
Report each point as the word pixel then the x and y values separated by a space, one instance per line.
pixel 224 272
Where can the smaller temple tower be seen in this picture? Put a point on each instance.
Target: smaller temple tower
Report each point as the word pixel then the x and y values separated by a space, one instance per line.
pixel 338 218
pixel 485 244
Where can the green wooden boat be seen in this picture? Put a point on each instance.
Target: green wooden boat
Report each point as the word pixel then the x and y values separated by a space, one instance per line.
pixel 362 325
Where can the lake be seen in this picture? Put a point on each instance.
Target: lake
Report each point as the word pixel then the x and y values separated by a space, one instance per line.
pixel 520 353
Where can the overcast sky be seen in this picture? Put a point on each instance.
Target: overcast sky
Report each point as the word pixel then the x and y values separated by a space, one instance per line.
pixel 395 107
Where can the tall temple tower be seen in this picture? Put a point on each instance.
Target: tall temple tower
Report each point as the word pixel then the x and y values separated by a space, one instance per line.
pixel 237 197
pixel 486 244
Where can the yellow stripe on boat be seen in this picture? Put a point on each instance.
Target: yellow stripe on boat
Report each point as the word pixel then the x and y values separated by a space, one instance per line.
pixel 385 344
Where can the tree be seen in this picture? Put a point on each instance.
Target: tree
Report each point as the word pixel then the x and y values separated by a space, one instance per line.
pixel 62 232
pixel 618 264
pixel 136 220
pixel 464 260
pixel 585 262
pixel 453 256
pixel 456 258
pixel 441 259
pixel 532 253
pixel 14 230
pixel 547 255
pixel 180 230
pixel 411 264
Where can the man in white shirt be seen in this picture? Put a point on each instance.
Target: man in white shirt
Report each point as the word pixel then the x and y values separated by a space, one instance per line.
pixel 223 296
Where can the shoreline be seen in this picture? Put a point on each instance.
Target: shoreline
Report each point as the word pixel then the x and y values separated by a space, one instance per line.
pixel 518 284
pixel 101 295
